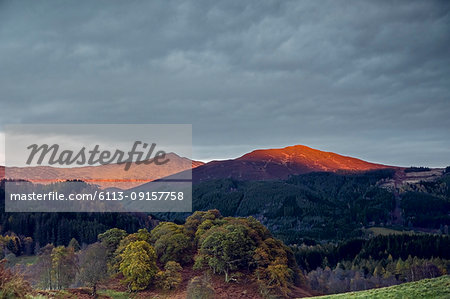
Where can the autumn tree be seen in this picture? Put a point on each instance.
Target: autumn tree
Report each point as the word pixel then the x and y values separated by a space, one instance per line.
pixel 138 265
pixel 64 266
pixel 193 221
pixel 226 249
pixel 111 240
pixel 140 235
pixel 170 278
pixel 74 244
pixel 44 266
pixel 12 285
pixel 279 277
pixel 171 243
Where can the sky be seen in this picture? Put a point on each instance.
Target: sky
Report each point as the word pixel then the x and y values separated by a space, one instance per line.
pixel 369 79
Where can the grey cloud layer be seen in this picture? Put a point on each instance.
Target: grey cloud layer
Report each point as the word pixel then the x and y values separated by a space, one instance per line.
pixel 363 78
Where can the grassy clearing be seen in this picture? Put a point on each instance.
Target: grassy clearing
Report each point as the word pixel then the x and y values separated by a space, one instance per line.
pixel 115 294
pixel 72 294
pixel 435 288
pixel 383 231
pixel 25 260
pixel 61 294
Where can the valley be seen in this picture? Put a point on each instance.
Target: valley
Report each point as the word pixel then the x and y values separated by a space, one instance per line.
pixel 341 223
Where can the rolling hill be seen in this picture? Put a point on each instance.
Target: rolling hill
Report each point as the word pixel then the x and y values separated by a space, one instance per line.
pixel 272 164
pixel 428 288
pixel 111 175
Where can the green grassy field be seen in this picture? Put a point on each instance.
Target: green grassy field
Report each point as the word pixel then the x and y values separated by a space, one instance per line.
pixel 115 294
pixel 436 288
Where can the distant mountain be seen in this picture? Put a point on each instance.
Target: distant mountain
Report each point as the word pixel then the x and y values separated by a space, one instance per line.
pixel 106 176
pixel 270 164
pixel 263 164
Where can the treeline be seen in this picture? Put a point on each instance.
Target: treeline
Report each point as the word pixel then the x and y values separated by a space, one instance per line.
pixel 427 204
pixel 60 228
pixel 368 273
pixel 381 261
pixel 416 169
pixel 318 206
pixel 321 206
pixel 231 247
pixel 426 246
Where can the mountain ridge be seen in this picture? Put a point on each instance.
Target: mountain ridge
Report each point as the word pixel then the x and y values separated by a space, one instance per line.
pixel 259 164
pixel 280 163
pixel 106 176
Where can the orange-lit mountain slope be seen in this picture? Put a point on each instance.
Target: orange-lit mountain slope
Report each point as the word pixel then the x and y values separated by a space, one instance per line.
pixel 269 164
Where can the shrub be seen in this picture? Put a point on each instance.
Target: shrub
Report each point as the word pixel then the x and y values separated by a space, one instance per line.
pixel 12 285
pixel 171 277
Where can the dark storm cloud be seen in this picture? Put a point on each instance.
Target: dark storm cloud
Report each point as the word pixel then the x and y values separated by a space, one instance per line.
pixel 363 78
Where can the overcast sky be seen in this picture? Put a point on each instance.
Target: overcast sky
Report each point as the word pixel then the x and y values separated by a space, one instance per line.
pixel 369 79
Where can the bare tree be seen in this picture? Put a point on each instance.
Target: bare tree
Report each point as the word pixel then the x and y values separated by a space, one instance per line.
pixel 93 265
